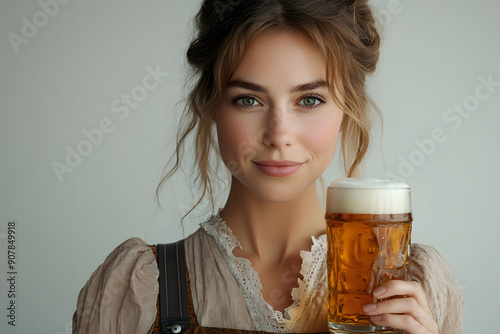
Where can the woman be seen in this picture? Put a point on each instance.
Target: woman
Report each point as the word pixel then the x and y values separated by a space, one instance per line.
pixel 280 81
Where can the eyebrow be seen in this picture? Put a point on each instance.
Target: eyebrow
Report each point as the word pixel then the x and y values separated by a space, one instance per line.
pixel 262 89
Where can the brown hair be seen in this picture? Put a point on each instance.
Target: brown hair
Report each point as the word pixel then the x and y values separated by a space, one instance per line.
pixel 344 31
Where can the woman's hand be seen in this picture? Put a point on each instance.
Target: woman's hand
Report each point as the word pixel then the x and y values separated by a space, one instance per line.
pixel 410 312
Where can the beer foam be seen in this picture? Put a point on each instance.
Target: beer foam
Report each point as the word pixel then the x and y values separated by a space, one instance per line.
pixel 368 196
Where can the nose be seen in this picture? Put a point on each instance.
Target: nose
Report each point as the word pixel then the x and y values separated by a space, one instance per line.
pixel 278 129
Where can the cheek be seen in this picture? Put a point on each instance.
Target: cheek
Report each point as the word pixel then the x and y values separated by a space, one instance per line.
pixel 234 137
pixel 322 138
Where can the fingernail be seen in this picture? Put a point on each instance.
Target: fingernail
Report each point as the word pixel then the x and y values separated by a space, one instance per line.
pixel 369 308
pixel 379 291
pixel 376 318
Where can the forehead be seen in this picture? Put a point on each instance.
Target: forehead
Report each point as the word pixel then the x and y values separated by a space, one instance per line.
pixel 281 57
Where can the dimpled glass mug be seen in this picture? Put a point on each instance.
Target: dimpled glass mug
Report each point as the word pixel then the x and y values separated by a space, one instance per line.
pixel 368 231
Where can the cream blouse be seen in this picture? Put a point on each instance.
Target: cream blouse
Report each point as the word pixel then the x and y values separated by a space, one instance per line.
pixel 121 295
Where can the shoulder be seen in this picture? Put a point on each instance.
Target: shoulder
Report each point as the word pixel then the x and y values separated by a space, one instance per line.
pixel 431 270
pixel 122 290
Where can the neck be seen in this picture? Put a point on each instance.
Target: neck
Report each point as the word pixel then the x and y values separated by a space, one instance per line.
pixel 273 232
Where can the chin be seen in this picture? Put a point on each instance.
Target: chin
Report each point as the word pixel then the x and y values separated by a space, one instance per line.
pixel 279 193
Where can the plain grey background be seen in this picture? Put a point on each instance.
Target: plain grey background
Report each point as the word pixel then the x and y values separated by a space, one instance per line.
pixel 70 75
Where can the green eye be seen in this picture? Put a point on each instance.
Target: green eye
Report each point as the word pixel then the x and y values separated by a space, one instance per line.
pixel 248 101
pixel 310 101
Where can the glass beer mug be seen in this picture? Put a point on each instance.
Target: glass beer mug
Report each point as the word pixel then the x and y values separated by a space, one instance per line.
pixel 368 231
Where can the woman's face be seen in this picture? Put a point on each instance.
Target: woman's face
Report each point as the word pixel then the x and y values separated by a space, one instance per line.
pixel 277 110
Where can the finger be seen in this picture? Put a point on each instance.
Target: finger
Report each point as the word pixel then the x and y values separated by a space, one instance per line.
pixel 408 306
pixel 402 288
pixel 400 321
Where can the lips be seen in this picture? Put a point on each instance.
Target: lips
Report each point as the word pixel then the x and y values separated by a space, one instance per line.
pixel 283 163
pixel 278 168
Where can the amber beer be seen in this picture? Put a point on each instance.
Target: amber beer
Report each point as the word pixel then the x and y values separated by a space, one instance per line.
pixel 368 232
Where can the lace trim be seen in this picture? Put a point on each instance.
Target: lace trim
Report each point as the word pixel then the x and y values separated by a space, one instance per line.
pixel 264 317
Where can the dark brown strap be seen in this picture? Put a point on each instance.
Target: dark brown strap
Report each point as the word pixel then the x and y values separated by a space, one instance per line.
pixel 174 316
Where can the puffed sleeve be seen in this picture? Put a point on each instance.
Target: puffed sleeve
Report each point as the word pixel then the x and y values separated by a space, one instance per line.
pixel 432 271
pixel 120 296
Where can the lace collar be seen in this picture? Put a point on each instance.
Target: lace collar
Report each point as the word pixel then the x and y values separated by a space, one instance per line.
pixel 264 317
